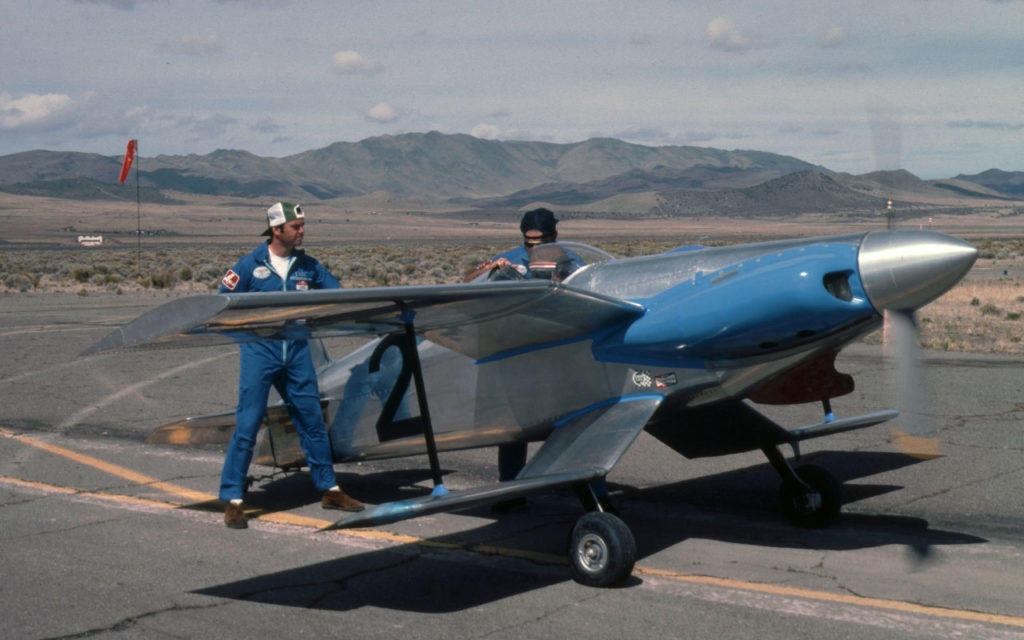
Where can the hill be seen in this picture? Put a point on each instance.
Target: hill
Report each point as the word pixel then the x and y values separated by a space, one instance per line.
pixel 427 165
pixel 1008 182
pixel 792 194
pixel 435 171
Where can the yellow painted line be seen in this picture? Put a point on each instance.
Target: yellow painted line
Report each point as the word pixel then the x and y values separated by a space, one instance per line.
pixel 112 469
pixel 839 598
pixel 317 523
pixel 113 497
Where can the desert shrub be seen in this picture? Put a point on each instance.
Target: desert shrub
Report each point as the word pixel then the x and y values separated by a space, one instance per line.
pixel 163 279
pixel 975 302
pixel 185 273
pixel 990 310
pixel 211 273
pixel 18 281
pixel 81 273
pixel 1012 315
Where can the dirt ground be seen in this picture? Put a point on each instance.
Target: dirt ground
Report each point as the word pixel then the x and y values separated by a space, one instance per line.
pixel 185 247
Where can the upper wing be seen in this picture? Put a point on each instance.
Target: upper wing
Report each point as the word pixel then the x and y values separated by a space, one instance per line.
pixel 476 319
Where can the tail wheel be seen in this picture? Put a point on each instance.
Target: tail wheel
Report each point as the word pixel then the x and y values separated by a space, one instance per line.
pixel 811 509
pixel 601 550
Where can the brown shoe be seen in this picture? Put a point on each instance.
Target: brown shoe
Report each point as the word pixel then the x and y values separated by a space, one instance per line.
pixel 340 500
pixel 234 516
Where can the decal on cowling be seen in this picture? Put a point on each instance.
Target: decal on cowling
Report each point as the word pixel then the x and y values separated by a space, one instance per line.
pixel 665 380
pixel 642 379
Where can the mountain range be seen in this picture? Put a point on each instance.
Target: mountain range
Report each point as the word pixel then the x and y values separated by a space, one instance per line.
pixel 462 171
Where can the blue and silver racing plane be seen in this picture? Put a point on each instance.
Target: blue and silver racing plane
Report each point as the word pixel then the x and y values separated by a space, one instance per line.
pixel 582 358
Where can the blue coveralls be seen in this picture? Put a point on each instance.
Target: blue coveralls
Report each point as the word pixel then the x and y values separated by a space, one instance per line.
pixel 285 364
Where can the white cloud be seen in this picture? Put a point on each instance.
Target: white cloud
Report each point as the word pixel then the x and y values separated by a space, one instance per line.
pixel 352 63
pixel 485 131
pixel 192 45
pixel 832 38
pixel 382 112
pixel 34 111
pixel 724 35
pixel 493 132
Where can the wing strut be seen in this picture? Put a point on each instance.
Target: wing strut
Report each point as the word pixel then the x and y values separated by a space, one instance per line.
pixel 421 398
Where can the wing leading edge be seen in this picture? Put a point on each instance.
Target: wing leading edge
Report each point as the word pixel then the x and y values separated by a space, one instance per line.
pixel 475 319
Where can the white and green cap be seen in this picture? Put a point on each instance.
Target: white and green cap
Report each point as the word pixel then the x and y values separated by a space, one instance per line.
pixel 281 213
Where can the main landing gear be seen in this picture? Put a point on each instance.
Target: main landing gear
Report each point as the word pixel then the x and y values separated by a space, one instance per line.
pixel 602 549
pixel 810 496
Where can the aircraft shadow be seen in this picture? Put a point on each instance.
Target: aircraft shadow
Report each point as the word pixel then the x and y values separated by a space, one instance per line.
pixel 738 506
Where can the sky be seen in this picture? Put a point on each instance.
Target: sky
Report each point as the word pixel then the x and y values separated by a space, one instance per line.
pixel 932 86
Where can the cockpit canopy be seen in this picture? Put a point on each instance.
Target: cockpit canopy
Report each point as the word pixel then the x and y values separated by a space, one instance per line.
pixel 553 261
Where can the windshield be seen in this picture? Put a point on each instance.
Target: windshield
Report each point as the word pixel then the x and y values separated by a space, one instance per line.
pixel 556 261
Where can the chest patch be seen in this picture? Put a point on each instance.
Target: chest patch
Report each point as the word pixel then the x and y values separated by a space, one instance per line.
pixel 261 272
pixel 301 285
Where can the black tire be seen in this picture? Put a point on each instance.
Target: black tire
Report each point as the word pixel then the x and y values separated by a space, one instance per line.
pixel 802 508
pixel 601 550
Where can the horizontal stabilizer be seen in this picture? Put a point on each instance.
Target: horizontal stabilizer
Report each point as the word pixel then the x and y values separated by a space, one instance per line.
pixel 583 447
pixel 456 500
pixel 475 319
pixel 594 439
pixel 840 425
pixel 210 429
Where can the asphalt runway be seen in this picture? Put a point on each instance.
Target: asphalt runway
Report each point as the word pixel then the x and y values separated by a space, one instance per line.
pixel 104 536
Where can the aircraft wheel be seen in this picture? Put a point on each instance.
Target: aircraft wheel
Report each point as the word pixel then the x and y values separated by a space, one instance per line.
pixel 811 509
pixel 601 550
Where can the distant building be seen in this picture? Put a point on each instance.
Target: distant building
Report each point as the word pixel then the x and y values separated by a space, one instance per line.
pixel 90 241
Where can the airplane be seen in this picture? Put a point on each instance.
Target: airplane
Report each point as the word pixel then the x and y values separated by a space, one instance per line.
pixel 582 357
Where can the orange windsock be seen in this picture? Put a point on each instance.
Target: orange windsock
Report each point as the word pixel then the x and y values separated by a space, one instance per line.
pixel 129 155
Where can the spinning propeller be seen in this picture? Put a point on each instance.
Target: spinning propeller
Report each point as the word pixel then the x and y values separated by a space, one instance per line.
pixel 909 270
pixel 902 271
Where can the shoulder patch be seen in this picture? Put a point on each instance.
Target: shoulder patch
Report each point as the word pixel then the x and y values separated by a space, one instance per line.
pixel 230 280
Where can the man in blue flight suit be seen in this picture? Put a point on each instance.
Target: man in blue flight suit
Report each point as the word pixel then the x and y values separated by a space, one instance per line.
pixel 279 265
